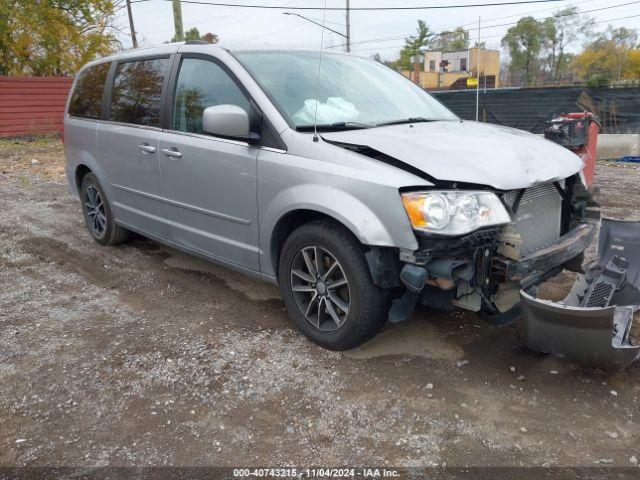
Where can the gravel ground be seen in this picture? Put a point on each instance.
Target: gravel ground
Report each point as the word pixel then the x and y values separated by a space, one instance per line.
pixel 139 355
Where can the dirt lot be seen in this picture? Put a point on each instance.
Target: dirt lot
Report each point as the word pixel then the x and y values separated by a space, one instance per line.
pixel 140 355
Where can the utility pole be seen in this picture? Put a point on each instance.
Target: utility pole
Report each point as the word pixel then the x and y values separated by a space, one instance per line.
pixel 348 26
pixel 416 65
pixel 133 30
pixel 478 75
pixel 177 20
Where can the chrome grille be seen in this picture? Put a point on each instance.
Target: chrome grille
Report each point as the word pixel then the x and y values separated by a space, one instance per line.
pixel 538 217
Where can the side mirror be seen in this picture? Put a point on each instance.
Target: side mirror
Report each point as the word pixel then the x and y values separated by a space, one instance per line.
pixel 229 121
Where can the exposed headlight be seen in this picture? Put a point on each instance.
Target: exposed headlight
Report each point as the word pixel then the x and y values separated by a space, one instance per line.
pixel 454 212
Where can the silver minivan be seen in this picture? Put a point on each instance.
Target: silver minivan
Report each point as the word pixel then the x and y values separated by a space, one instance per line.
pixel 334 176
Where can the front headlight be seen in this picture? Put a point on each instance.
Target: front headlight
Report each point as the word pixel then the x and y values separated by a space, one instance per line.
pixel 454 212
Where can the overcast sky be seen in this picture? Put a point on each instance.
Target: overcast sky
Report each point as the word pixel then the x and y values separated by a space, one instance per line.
pixel 244 27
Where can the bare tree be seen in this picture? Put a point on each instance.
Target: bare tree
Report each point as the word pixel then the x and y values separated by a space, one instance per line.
pixel 564 28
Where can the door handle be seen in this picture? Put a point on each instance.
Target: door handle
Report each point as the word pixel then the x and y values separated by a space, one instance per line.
pixel 171 153
pixel 146 148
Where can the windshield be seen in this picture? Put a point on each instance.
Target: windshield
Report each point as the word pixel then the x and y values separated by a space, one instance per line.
pixel 352 93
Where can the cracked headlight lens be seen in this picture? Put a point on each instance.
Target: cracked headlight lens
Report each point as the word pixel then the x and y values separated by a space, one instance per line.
pixel 454 212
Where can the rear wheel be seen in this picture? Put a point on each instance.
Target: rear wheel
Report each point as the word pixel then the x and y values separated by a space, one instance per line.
pixel 327 287
pixel 97 213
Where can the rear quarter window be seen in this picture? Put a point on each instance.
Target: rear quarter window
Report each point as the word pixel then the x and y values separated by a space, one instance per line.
pixel 86 100
pixel 137 92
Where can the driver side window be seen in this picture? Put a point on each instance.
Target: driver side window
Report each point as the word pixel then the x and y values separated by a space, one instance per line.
pixel 201 84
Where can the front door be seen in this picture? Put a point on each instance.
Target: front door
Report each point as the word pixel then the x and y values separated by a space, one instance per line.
pixel 209 183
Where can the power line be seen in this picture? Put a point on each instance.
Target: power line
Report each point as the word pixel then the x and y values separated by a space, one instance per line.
pixel 398 37
pixel 496 36
pixel 362 9
pixel 565 14
pixel 530 12
pixel 119 5
pixel 616 19
pixel 342 24
pixel 320 25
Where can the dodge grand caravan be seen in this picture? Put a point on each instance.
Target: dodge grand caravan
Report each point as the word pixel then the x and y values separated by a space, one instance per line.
pixel 356 191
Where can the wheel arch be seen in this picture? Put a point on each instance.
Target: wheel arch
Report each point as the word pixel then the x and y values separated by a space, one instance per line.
pixel 83 164
pixel 81 171
pixel 292 220
pixel 374 223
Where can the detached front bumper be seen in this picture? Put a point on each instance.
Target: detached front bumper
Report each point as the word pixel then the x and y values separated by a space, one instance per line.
pixel 591 337
pixel 593 325
pixel 547 258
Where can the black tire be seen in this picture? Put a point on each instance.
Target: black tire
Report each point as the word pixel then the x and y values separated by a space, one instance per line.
pixel 105 232
pixel 368 304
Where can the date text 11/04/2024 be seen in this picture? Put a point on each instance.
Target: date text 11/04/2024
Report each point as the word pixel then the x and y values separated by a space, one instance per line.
pixel 315 473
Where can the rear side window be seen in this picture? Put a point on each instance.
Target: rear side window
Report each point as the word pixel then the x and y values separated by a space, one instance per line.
pixel 137 91
pixel 86 99
pixel 201 84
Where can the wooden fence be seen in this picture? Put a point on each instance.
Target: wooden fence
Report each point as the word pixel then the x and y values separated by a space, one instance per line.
pixel 32 105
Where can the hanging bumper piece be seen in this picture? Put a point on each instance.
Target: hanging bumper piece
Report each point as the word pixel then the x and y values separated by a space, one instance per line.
pixel 592 325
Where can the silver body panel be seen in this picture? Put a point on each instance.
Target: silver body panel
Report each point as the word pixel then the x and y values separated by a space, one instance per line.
pixel 464 151
pixel 223 199
pixel 211 196
pixel 133 175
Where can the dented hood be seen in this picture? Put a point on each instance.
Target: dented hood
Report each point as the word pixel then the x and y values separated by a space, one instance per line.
pixel 501 157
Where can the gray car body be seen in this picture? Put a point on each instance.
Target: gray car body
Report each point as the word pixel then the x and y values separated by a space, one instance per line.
pixel 225 200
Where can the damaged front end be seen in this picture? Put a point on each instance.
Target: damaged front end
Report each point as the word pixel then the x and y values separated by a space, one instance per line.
pixel 484 271
pixel 592 325
pixel 496 271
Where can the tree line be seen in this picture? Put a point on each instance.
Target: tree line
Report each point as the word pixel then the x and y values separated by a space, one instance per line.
pixel 54 37
pixel 57 37
pixel 541 51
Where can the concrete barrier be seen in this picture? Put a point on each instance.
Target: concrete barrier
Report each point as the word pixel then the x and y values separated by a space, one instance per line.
pixel 612 145
pixel 616 145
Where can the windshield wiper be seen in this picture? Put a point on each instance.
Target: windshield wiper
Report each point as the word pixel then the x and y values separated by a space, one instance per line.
pixel 407 120
pixel 337 126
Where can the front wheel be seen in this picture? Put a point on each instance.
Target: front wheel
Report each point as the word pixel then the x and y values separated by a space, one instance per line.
pixel 327 287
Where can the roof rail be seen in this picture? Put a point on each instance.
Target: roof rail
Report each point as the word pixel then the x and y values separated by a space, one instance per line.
pixel 196 42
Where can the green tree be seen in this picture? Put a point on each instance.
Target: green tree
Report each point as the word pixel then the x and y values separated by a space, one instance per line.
pixel 210 37
pixel 413 44
pixel 54 37
pixel 607 57
pixel 632 67
pixel 524 42
pixel 595 65
pixel 457 39
pixel 194 34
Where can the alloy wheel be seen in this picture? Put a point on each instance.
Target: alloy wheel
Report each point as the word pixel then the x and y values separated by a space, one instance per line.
pixel 320 288
pixel 96 215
